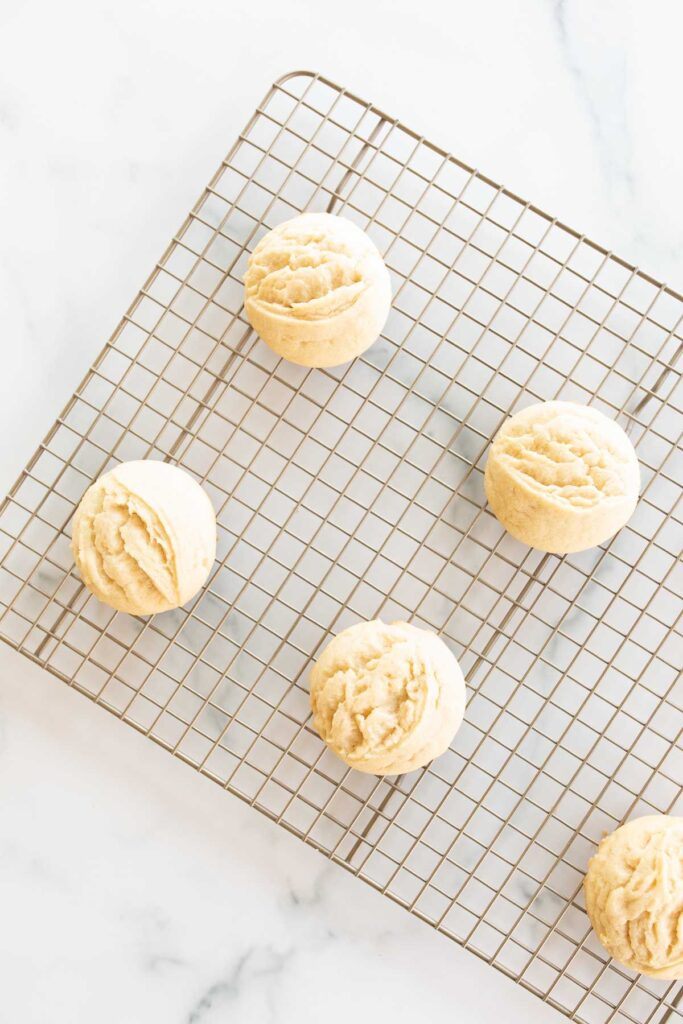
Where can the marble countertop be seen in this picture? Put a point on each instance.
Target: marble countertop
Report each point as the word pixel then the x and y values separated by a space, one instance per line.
pixel 131 888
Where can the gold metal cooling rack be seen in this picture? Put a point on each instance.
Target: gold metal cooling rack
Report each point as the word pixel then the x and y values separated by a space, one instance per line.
pixel 357 492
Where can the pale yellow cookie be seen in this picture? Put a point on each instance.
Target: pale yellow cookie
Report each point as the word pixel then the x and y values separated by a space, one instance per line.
pixel 387 698
pixel 144 537
pixel 562 477
pixel 317 290
pixel 634 895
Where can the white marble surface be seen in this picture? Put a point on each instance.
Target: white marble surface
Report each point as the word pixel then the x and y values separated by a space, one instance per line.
pixel 131 889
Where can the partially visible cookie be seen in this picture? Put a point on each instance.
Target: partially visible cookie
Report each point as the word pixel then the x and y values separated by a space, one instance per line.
pixel 562 477
pixel 634 895
pixel 387 698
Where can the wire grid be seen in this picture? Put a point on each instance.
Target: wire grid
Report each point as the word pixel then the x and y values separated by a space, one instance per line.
pixel 358 492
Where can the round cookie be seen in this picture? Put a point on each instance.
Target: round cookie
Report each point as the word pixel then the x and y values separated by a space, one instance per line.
pixel 144 537
pixel 387 698
pixel 562 477
pixel 634 895
pixel 317 290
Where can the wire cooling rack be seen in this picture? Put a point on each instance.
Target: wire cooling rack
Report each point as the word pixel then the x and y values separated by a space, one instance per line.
pixel 358 492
